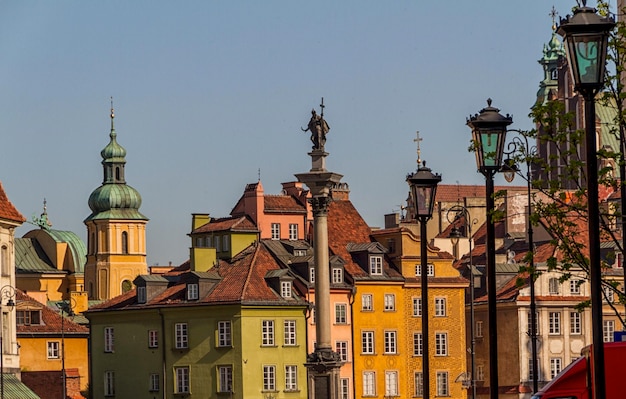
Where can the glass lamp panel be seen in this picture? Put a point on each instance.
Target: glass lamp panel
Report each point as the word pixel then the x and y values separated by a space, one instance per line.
pixel 490 147
pixel 423 201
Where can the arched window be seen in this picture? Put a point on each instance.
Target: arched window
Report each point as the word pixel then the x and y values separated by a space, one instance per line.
pixel 124 242
pixel 126 286
pixel 117 173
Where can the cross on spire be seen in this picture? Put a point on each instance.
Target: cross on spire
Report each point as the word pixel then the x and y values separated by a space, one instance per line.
pixel 419 151
pixel 553 14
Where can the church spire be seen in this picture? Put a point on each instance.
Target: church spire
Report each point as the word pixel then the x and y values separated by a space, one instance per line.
pixel 552 53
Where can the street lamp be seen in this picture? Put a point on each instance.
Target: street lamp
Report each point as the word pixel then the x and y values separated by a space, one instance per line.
pixel 7 293
pixel 459 212
pixel 488 135
pixel 423 185
pixel 67 308
pixel 586 36
pixel 509 170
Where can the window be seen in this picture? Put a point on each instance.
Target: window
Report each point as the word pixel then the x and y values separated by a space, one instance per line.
pixel 608 294
pixel 226 243
pixel 608 330
pixel 267 333
pixel 337 275
pixel 530 370
pixel 443 388
pixel 299 252
pixel 182 379
pixel 218 244
pixel 6 268
pixel 417 307
pixel 182 340
pixel 554 323
pixel 367 342
pixel 440 307
pixel 419 384
pixel 198 241
pixel 53 349
pixel 275 231
pixel 269 378
pixel 366 302
pixel 293 231
pixel 154 384
pixel 574 323
pixel 555 367
pixel 342 348
pixel 344 388
pixel 291 378
pixel 390 342
pixel 108 339
pixel 285 289
pixel 574 287
pixel 124 242
pixel 391 245
pixel 28 317
pixel 553 286
pixel 290 332
pixel 390 302
pixel 340 313
pixel 479 329
pixel 441 344
pixel 109 383
pixel 141 295
pixel 225 378
pixel 369 383
pixel 376 265
pixel 530 323
pixel 417 344
pixel 192 292
pixel 430 270
pixel 224 333
pixel 480 373
pixel 312 275
pixel 391 383
pixel 153 339
pixel 207 241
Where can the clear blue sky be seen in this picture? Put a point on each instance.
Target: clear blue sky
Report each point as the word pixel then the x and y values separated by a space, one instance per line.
pixel 206 93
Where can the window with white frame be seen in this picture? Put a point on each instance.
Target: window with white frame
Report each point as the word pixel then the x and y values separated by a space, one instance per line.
pixel 53 349
pixel 440 307
pixel 337 275
pixel 192 291
pixel 391 383
pixel 141 295
pixel 267 333
pixel 109 383
pixel 341 347
pixel 529 327
pixel 480 372
pixel 555 367
pixel 443 386
pixel 391 346
pixel 182 339
pixel 417 307
pixel 608 330
pixel 553 285
pixel 290 333
pixel 530 370
pixel 291 378
pixel 293 231
pixel 224 333
pixel 574 286
pixel 109 339
pixel 154 384
pixel 344 387
pixel 479 329
pixel 369 383
pixel 390 302
pixel 575 326
pixel 367 303
pixel 376 265
pixel 430 270
pixel 367 342
pixel 153 339
pixel 554 323
pixel 285 289
pixel 418 377
pixel 441 344
pixel 417 344
pixel 608 294
pixel 269 378
pixel 275 231
pixel 225 375
pixel 341 313
pixel 312 275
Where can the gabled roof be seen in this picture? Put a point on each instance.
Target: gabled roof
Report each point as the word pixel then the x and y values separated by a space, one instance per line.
pixel 50 319
pixel 241 223
pixel 7 210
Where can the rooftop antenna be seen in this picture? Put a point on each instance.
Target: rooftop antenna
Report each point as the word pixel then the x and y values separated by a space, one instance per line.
pixel 419 152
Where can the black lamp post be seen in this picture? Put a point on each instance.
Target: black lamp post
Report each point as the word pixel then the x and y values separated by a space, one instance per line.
pixel 586 36
pixel 488 135
pixel 509 170
pixel 7 293
pixel 423 184
pixel 67 308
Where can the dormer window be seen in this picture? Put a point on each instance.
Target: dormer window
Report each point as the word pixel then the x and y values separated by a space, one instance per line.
pixel 28 317
pixel 192 292
pixel 141 295
pixel 285 289
pixel 312 275
pixel 376 265
pixel 431 270
pixel 337 275
pixel 299 252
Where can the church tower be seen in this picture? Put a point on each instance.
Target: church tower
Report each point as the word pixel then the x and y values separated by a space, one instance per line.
pixel 116 230
pixel 553 52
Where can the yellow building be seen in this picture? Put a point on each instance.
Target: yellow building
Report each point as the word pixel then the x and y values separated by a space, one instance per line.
pixel 116 230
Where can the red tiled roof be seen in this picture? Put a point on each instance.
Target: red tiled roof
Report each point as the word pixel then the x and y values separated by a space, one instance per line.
pixel 242 223
pixel 283 203
pixel 456 192
pixel 7 210
pixel 50 320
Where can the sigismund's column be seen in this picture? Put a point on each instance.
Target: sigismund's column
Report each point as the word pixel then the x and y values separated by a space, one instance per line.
pixel 324 363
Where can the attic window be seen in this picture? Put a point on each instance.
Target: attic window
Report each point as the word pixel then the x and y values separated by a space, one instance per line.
pixel 299 252
pixel 430 270
pixel 285 289
pixel 141 295
pixel 192 292
pixel 28 317
pixel 337 275
pixel 312 275
pixel 376 265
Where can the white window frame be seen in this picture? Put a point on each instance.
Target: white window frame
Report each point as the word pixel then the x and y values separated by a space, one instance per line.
pixel 293 231
pixel 554 323
pixel 608 294
pixel 267 333
pixel 344 387
pixel 608 330
pixel 275 228
pixel 367 342
pixel 153 338
pixel 154 384
pixel 291 378
pixel 109 383
pixel 369 383
pixel 109 340
pixel 443 383
pixel 182 336
pixel 376 265
pixel 575 287
pixel 418 379
pixel 417 307
pixel 575 323
pixel 337 275
pixel 440 307
pixel 341 313
pixel 390 303
pixel 391 342
pixel 391 383
pixel 269 378
pixel 418 344
pixel 290 333
pixel 341 347
pixel 224 333
pixel 529 327
pixel 480 372
pixel 225 378
pixel 479 329
pixel 192 292
pixel 312 275
pixel 441 344
pixel 285 289
pixel 556 365
pixel 53 350
pixel 530 369
pixel 553 286
pixel 430 268
pixel 367 302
